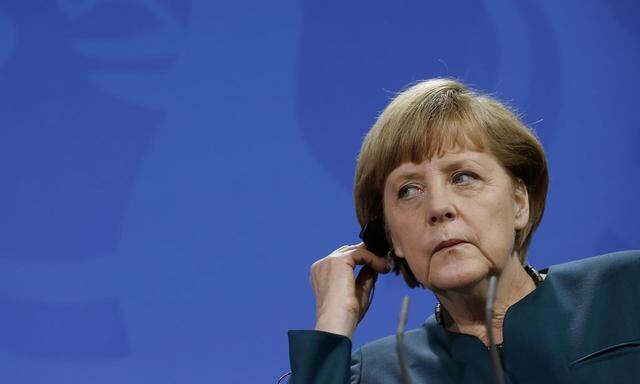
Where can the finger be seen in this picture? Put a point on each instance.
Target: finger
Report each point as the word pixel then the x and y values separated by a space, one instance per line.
pixel 312 281
pixel 362 256
pixel 365 281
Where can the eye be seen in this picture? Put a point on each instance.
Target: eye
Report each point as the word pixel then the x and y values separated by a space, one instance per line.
pixel 409 191
pixel 464 177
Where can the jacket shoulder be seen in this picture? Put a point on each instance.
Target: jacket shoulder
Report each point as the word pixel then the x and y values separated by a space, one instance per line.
pixel 596 298
pixel 617 264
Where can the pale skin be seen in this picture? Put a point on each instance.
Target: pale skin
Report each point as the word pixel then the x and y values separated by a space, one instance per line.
pixel 465 195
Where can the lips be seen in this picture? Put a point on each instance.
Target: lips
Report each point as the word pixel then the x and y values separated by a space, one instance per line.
pixel 447 243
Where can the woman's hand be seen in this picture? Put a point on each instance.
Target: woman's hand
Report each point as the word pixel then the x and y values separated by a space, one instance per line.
pixel 342 298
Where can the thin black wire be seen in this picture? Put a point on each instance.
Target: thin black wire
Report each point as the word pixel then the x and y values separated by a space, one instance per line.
pixel 283 376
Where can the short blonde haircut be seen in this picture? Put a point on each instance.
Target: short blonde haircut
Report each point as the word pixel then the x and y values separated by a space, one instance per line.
pixel 437 115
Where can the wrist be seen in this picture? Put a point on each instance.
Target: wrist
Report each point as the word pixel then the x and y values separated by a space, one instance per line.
pixel 334 324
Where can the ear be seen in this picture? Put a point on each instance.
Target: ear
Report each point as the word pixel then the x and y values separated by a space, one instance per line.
pixel 521 204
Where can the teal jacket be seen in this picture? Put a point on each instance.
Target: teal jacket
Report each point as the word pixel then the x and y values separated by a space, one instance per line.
pixel 580 325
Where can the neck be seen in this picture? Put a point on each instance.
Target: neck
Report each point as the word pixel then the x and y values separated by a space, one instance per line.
pixel 466 308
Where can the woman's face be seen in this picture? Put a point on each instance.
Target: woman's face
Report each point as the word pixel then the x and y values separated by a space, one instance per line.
pixel 454 217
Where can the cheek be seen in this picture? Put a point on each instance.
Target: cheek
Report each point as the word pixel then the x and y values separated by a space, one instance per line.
pixel 407 231
pixel 404 232
pixel 495 229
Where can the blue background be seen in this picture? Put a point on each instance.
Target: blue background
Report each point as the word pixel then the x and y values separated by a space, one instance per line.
pixel 170 169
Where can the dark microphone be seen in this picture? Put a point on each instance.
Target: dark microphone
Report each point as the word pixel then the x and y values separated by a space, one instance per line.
pixel 402 323
pixel 497 366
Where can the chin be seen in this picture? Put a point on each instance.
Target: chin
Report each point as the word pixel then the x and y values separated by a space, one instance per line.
pixel 456 269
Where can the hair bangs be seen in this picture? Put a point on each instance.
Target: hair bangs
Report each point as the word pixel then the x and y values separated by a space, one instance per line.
pixel 424 135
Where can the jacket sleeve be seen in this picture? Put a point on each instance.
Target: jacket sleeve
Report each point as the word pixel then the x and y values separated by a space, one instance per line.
pixel 322 357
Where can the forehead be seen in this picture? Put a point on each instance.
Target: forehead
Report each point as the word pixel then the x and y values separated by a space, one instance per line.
pixel 455 157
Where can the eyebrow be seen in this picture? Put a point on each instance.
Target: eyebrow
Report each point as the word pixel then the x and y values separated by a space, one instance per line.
pixel 448 167
pixel 407 175
pixel 460 163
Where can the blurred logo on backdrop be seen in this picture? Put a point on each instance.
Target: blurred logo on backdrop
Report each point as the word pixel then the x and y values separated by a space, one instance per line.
pixel 78 84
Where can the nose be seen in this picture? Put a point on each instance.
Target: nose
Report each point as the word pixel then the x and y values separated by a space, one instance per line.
pixel 440 208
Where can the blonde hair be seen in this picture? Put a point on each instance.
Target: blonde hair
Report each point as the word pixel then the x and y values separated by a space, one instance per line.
pixel 434 116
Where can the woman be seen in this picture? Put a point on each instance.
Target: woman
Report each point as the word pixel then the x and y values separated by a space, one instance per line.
pixel 457 186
